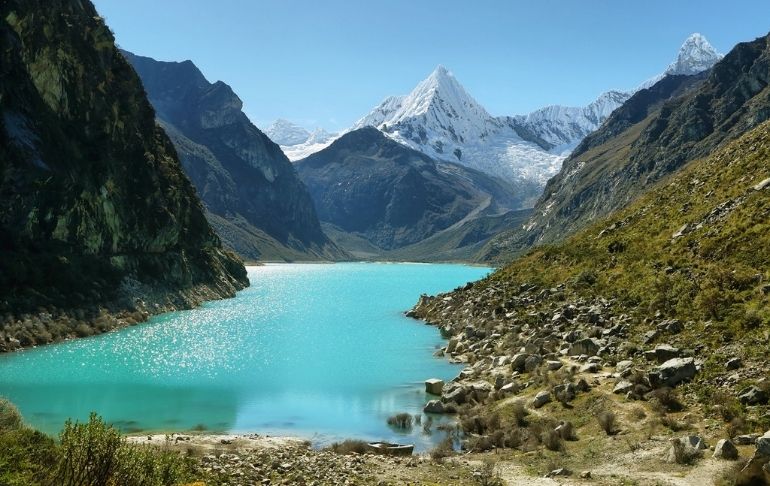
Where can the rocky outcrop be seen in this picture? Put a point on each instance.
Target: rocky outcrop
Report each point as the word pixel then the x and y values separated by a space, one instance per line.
pixel 95 210
pixel 256 202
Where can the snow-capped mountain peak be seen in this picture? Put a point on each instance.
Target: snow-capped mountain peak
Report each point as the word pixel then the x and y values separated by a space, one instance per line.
pixel 436 117
pixel 695 55
pixel 284 132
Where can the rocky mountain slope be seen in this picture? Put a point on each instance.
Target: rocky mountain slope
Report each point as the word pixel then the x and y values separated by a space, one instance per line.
pixel 256 202
pixel 654 134
pixel 653 322
pixel 96 212
pixel 368 185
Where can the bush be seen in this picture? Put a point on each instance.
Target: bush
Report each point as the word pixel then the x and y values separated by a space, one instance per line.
pixel 666 399
pixel 400 421
pixel 94 454
pixel 552 440
pixel 682 454
pixel 10 418
pixel 519 412
pixel 349 446
pixel 608 422
pixel 444 449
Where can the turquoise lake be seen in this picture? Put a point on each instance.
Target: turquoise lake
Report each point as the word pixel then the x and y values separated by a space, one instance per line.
pixel 313 350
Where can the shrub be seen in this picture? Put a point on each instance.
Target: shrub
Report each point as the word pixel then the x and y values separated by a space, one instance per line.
pixel 567 431
pixel 10 418
pixel 608 422
pixel 443 449
pixel 94 454
pixel 487 476
pixel 88 453
pixel 400 421
pixel 552 440
pixel 666 399
pixel 349 446
pixel 519 412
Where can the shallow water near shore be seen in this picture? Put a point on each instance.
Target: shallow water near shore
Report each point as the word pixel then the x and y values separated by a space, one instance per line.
pixel 312 350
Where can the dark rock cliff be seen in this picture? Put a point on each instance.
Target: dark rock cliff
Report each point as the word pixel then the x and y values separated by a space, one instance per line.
pixel 261 208
pixel 95 210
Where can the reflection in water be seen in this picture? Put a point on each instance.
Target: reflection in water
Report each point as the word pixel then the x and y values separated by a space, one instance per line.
pixel 321 351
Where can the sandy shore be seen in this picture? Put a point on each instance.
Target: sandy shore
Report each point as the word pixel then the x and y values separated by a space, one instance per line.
pixel 216 442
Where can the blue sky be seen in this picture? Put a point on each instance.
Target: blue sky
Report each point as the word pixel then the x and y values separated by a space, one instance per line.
pixel 327 63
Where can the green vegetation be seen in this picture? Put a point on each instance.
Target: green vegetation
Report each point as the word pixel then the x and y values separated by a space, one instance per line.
pixel 87 454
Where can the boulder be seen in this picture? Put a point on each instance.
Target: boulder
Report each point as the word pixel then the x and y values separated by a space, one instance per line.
pixel 662 353
pixel 541 399
pixel 587 346
pixel 734 364
pixel 437 406
pixel 673 372
pixel 454 392
pixel 553 365
pixel 689 446
pixel 623 387
pixel 518 360
pixel 763 444
pixel 624 368
pixel 591 368
pixel 725 449
pixel 753 396
pixel 747 439
pixel 532 362
pixel 434 386
pixel 434 406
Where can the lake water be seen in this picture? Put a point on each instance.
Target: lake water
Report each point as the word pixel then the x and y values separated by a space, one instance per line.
pixel 313 350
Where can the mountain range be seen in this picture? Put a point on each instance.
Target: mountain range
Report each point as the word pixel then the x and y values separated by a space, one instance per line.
pixel 441 119
pixel 655 133
pixel 370 188
pixel 251 191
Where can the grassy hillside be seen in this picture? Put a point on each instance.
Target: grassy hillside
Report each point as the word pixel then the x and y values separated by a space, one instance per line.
pixel 682 272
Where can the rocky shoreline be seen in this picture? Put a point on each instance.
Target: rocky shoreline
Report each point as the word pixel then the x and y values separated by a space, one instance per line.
pixel 550 350
pixel 137 304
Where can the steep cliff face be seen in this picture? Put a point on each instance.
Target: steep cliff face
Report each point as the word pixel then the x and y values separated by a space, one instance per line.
pixel 94 207
pixel 256 202
pixel 654 134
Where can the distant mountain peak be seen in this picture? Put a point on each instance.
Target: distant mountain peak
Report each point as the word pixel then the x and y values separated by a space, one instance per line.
pixel 284 132
pixel 695 55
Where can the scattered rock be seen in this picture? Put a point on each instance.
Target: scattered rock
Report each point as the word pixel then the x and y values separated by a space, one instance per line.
pixel 623 387
pixel 585 475
pixel 753 396
pixel 553 365
pixel 541 399
pixel 587 346
pixel 673 372
pixel 734 364
pixel 434 386
pixel 559 472
pixel 725 449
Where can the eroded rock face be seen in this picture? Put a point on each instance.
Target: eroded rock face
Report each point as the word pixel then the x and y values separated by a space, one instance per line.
pixel 92 195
